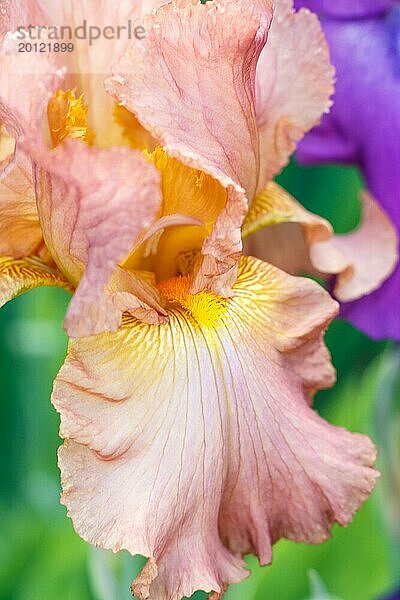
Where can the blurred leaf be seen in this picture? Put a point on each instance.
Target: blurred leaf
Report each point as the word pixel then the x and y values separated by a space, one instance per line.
pixel 352 351
pixel 111 575
pixel 101 576
pixel 329 191
pixel 130 568
pixel 388 434
pixel 318 589
pixel 39 558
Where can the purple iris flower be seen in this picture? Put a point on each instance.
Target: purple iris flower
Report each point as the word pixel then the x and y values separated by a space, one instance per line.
pixel 394 596
pixel 363 127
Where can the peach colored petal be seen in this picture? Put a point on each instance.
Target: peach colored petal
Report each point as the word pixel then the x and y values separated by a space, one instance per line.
pixel 215 596
pixel 95 57
pixel 175 220
pixel 92 206
pixel 189 191
pixel 275 205
pixel 22 106
pixel 205 115
pixel 7 144
pixel 363 259
pixel 132 131
pixel 282 245
pixel 222 248
pixel 20 232
pixel 21 275
pixel 8 152
pixel 294 85
pixel 313 365
pixel 137 297
pixel 160 460
pixel 280 231
pixel 298 241
pixel 19 13
pixel 90 63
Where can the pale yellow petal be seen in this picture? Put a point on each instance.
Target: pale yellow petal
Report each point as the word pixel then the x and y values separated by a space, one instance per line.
pixel 20 231
pixel 21 275
pixel 280 231
pixel 275 205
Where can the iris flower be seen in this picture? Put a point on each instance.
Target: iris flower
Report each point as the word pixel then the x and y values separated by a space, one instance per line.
pixel 394 596
pixel 185 398
pixel 363 126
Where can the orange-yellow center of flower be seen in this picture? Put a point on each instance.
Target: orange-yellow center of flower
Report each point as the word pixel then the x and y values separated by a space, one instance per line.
pixel 67 116
pixel 204 307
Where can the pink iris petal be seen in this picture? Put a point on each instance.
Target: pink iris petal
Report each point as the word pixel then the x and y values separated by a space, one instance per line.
pixel 205 447
pixel 93 204
pixel 205 115
pixel 294 85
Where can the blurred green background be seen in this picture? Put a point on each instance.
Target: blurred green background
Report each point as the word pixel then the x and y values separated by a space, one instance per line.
pixel 41 558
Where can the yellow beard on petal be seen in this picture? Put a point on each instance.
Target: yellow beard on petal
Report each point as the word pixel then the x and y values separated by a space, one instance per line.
pixel 206 308
pixel 67 116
